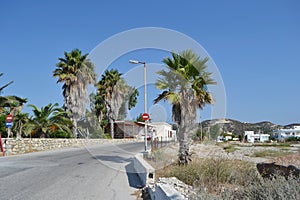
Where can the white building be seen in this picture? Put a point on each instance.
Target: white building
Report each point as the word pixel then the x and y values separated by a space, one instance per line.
pixel 163 131
pixel 282 134
pixel 250 136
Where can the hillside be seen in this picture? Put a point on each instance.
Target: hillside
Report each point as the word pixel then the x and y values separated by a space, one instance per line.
pixel 237 127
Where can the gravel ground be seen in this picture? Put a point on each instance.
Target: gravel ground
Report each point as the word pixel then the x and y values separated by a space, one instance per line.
pixel 244 152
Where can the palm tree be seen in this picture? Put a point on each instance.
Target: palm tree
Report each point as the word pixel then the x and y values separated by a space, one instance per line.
pixel 12 104
pixel 48 119
pixel 4 86
pixel 113 94
pixel 185 87
pixel 20 125
pixel 76 71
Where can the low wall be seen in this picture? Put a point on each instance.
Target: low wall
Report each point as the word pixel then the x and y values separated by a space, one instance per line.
pixel 27 145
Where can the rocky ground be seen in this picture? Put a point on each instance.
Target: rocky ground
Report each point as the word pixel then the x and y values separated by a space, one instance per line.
pixel 234 151
pixel 246 152
pixel 240 151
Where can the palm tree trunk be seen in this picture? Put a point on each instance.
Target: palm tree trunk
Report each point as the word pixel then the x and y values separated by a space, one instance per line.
pixel 186 128
pixel 74 129
pixel 112 131
pixel 19 130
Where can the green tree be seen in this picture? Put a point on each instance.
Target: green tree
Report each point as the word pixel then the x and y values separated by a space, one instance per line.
pixel 139 118
pixel 48 119
pixel 184 85
pixel 76 71
pixel 113 95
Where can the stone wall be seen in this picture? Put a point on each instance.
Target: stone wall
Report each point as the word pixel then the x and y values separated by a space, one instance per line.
pixel 27 145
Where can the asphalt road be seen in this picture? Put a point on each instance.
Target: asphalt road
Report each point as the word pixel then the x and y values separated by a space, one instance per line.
pixel 98 172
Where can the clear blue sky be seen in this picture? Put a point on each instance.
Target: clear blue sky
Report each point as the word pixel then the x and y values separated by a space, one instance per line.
pixel 255 45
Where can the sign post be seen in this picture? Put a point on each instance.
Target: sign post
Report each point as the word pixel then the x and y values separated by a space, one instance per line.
pixel 145 116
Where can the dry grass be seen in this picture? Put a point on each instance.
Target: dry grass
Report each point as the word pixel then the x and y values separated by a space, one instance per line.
pixel 211 173
pixel 218 172
pixel 270 153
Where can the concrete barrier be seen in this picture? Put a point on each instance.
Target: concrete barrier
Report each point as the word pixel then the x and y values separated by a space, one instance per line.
pixel 165 192
pixel 144 170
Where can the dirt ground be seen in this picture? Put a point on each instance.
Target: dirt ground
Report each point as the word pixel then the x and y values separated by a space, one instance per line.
pixel 246 151
pixel 241 151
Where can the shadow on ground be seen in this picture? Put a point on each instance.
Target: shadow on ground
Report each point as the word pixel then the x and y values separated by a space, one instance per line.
pixel 115 159
pixel 133 178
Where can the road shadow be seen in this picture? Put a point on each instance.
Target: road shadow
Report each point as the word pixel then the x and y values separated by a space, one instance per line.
pixel 133 178
pixel 115 159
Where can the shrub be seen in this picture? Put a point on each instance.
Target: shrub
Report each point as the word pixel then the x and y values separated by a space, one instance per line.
pixel 60 134
pixel 293 139
pixel 229 148
pixel 107 136
pixel 276 188
pixel 211 173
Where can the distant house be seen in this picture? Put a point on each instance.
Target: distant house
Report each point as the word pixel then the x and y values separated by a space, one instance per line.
pixel 163 131
pixel 128 129
pixel 250 136
pixel 282 134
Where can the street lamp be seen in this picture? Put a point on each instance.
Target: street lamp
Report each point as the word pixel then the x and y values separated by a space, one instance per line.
pixel 145 98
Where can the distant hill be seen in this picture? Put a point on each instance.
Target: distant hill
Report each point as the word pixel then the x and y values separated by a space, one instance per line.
pixel 238 128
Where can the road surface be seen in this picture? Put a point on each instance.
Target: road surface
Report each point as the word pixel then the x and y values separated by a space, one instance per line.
pixel 98 172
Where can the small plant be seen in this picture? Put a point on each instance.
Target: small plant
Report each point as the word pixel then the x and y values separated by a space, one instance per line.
pixel 230 148
pixel 270 153
pixel 60 134
pixel 107 136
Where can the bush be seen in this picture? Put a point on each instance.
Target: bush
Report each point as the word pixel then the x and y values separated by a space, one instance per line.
pixel 276 188
pixel 97 133
pixel 60 134
pixel 211 173
pixel 107 136
pixel 293 139
pixel 231 179
pixel 230 148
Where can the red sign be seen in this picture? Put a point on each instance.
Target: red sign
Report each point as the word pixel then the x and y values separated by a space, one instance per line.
pixel 9 118
pixel 145 116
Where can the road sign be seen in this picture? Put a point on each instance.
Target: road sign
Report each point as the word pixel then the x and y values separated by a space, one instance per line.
pixel 9 118
pixel 8 124
pixel 145 116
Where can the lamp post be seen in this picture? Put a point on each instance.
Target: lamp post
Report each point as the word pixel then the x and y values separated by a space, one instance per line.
pixel 145 98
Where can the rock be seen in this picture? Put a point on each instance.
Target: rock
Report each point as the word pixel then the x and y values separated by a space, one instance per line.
pixel 268 170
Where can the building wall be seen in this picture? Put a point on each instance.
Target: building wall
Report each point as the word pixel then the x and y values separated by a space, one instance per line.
pixel 163 131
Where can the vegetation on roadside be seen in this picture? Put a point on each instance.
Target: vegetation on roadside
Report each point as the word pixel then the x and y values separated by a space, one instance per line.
pixel 218 178
pixel 270 153
pixel 211 173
